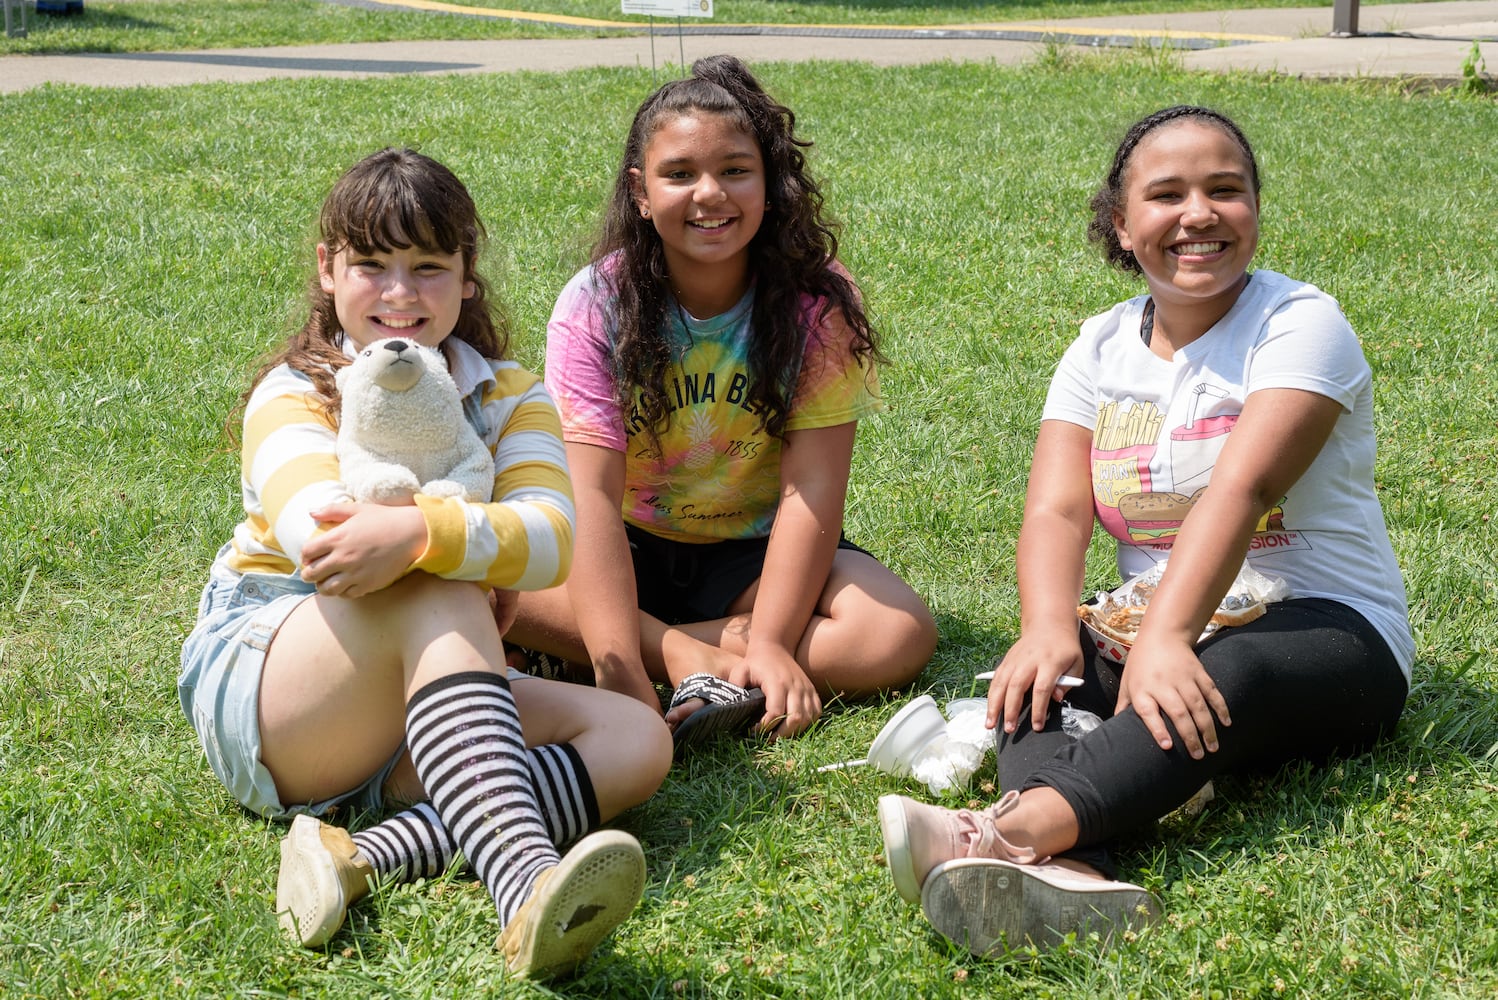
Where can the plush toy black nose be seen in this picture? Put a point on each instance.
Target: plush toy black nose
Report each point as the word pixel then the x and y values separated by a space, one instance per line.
pixel 396 345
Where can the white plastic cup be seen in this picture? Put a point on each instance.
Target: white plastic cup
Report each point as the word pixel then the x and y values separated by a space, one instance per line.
pixel 903 737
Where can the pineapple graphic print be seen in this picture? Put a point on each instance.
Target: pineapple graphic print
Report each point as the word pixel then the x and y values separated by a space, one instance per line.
pixel 700 449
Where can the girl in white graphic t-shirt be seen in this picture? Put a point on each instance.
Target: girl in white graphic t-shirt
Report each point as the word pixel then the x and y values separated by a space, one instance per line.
pixel 1224 416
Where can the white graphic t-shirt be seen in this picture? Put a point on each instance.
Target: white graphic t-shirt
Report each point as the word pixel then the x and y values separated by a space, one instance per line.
pixel 1158 427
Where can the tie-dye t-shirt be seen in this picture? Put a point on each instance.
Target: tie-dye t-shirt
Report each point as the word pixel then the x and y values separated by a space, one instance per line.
pixel 717 474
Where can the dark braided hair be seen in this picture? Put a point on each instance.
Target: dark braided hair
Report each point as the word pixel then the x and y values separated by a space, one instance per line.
pixel 1109 199
pixel 793 254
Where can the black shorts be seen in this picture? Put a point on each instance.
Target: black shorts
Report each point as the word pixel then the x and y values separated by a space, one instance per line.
pixel 681 582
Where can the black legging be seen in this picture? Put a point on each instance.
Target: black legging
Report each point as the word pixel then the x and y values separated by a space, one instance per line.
pixel 1308 679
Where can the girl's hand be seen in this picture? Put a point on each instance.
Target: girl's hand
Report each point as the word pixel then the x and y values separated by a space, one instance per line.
pixel 367 548
pixel 1166 677
pixel 791 700
pixel 1030 669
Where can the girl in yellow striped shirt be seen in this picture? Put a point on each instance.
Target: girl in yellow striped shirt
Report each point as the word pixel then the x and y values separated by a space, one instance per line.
pixel 347 656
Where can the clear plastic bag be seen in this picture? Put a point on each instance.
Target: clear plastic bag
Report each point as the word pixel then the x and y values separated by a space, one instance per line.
pixel 1113 618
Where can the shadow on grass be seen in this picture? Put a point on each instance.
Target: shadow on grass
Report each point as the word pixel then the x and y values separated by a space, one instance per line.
pixel 300 63
pixel 1446 708
pixel 74 28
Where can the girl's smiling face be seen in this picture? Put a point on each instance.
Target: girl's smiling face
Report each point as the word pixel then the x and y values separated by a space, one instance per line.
pixel 702 187
pixel 410 293
pixel 1191 217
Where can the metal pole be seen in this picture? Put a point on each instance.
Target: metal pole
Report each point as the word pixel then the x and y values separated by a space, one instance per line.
pixel 1344 18
pixel 653 75
pixel 15 30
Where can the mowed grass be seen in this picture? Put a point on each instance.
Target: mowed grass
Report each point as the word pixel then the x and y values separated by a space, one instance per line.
pixel 157 243
pixel 146 25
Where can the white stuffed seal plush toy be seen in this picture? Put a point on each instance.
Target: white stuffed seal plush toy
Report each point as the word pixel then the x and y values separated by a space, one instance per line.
pixel 402 430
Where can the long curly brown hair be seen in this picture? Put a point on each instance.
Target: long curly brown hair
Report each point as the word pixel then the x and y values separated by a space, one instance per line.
pixel 392 200
pixel 794 253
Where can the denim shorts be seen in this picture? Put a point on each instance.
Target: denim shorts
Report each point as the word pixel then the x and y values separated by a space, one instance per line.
pixel 219 687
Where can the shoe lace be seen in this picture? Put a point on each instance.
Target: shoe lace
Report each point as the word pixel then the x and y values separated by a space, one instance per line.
pixel 978 832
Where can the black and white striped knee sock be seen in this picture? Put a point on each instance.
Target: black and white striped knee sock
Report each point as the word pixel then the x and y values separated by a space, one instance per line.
pixel 414 844
pixel 410 845
pixel 564 791
pixel 464 736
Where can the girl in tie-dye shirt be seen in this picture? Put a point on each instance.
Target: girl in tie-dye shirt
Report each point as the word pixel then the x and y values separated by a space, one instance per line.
pixel 711 365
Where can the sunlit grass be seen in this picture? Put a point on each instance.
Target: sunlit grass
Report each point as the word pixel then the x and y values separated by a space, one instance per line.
pixel 146 25
pixel 157 243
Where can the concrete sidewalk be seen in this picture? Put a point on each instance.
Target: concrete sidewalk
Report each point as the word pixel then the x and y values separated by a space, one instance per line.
pixel 1426 41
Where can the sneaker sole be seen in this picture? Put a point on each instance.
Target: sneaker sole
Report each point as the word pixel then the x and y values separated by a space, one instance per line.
pixel 990 907
pixel 595 887
pixel 897 848
pixel 307 877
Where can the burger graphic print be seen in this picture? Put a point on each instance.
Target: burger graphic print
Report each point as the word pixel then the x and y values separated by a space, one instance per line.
pixel 1147 477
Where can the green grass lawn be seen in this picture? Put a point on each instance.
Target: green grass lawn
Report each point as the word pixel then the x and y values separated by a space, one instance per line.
pixel 157 242
pixel 145 25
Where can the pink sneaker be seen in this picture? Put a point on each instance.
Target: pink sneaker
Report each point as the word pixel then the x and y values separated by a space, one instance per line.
pixel 918 837
pixel 990 907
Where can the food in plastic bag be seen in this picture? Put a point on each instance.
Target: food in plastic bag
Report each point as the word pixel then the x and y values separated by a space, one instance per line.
pixel 1113 619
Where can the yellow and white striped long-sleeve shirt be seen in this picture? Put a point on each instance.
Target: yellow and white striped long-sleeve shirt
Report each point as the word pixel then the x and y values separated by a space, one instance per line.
pixel 521 540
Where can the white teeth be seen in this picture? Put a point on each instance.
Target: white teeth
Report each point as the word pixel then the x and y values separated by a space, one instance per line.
pixel 399 324
pixel 1195 249
pixel 710 223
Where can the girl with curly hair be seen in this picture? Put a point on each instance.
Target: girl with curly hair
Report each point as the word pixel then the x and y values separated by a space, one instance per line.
pixel 711 365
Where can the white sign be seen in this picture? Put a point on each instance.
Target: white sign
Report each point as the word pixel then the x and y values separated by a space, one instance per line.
pixel 669 8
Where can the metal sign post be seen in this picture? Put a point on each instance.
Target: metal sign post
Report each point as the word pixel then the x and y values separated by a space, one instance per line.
pixel 16 28
pixel 1344 18
pixel 668 8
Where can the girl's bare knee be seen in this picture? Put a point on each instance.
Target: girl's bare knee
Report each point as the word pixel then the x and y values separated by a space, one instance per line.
pixel 422 586
pixel 632 750
pixel 900 642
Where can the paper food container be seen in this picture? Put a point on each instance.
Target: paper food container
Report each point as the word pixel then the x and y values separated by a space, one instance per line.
pixel 1111 645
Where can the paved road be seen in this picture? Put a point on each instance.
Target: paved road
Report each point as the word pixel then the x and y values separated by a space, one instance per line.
pixel 1425 40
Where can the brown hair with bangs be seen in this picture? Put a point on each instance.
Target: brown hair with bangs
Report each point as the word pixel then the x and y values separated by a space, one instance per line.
pixel 393 200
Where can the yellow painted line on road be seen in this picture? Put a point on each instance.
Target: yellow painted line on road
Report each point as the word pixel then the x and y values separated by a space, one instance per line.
pixel 1216 36
pixel 1050 29
pixel 507 15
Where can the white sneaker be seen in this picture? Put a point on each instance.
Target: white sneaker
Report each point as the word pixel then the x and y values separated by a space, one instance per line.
pixel 918 837
pixel 322 875
pixel 990 906
pixel 575 905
